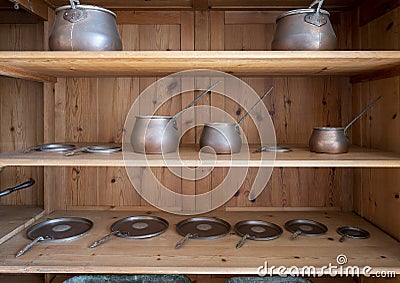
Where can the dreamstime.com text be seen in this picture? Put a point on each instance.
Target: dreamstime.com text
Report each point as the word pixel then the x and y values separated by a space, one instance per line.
pixel 330 269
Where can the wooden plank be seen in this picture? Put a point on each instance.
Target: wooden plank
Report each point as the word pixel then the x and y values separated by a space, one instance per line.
pixel 22 74
pixel 158 255
pixel 200 4
pixel 148 18
pixel 130 63
pixel 299 157
pixel 14 219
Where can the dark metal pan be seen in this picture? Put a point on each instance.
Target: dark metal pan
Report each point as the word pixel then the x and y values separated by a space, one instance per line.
pixel 202 228
pixel 257 230
pixel 51 147
pixel 135 227
pixel 305 227
pixel 57 230
pixel 352 232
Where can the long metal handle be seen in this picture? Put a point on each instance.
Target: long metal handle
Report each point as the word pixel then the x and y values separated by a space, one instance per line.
pixel 104 239
pixel 184 239
pixel 242 241
pixel 73 152
pixel 362 113
pixel 29 246
pixel 251 109
pixel 195 101
pixel 24 185
pixel 295 235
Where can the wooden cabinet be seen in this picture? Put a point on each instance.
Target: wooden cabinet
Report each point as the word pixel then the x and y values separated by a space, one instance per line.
pixel 84 97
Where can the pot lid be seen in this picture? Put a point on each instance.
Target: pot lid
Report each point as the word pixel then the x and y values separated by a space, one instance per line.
pixel 353 232
pixel 56 147
pixel 86 7
pixel 203 227
pixel 102 149
pixel 258 230
pixel 60 229
pixel 140 227
pixel 306 227
pixel 301 11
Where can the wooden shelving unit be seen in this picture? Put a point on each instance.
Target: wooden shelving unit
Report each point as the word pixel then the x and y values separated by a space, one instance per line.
pixel 189 156
pixel 14 219
pixel 47 66
pixel 158 255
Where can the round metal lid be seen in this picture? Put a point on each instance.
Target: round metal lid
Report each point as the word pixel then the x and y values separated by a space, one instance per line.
pixel 60 229
pixel 140 227
pixel 353 232
pixel 276 148
pixel 301 11
pixel 306 227
pixel 203 227
pixel 258 230
pixel 86 7
pixel 102 149
pixel 56 147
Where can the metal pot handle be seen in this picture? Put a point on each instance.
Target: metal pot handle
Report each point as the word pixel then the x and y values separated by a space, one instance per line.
pixel 74 14
pixel 319 2
pixel 74 3
pixel 316 19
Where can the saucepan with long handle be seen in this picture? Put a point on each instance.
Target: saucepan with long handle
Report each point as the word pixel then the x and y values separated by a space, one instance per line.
pixel 334 139
pixel 159 134
pixel 224 137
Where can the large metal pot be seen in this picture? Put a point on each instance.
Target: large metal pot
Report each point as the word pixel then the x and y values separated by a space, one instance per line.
pixel 159 134
pixel 334 139
pixel 304 29
pixel 225 138
pixel 84 28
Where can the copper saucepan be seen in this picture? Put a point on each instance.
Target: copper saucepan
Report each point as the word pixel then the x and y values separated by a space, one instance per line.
pixel 334 139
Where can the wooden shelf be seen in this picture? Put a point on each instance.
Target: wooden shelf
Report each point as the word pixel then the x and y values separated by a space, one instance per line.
pixel 299 157
pixel 47 66
pixel 219 256
pixel 14 219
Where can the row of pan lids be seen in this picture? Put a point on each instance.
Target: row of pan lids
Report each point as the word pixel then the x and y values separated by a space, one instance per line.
pixel 202 228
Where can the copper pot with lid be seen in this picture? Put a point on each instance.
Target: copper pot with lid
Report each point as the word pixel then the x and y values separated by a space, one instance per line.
pixel 304 29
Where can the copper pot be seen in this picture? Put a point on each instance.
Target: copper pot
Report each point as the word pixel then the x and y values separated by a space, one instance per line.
pixel 331 139
pixel 304 29
pixel 84 28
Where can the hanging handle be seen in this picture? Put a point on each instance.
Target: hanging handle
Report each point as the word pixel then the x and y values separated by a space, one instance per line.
pixel 316 19
pixel 319 2
pixel 74 14
pixel 74 3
